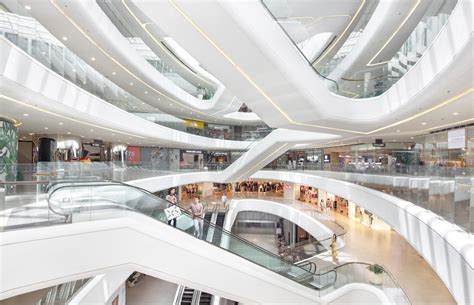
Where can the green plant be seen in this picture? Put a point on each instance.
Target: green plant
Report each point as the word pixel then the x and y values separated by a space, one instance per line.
pixel 376 268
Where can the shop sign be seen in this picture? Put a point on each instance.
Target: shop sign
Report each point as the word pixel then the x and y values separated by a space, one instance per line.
pixel 327 158
pixel 133 154
pixel 194 124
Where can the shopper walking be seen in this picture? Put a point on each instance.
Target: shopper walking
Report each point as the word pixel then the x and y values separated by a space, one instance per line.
pixel 224 199
pixel 172 201
pixel 334 248
pixel 197 211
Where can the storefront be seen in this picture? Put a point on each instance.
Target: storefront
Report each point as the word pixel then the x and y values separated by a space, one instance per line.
pixel 191 159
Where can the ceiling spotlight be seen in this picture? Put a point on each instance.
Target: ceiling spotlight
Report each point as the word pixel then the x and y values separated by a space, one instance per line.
pixel 171 105
pixel 146 92
pixel 424 123
pixel 113 73
pixel 113 134
pixel 131 84
pixel 73 70
pixel 68 132
pixel 31 133
pixel 159 98
pixel 46 128
pixel 64 38
pixel 93 58
pixel 398 130
pixel 92 129
pixel 455 113
pixel 27 7
pixel 412 138
pixel 60 123
pixel 26 114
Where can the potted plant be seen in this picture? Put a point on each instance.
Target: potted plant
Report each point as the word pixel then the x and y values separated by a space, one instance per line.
pixel 376 274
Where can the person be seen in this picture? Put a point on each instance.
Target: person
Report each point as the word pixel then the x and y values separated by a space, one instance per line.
pixel 172 200
pixel 334 248
pixel 322 206
pixel 197 211
pixel 224 199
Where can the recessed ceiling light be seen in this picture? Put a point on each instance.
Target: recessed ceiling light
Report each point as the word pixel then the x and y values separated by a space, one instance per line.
pixel 398 130
pixel 159 98
pixel 146 92
pixel 44 53
pixel 113 73
pixel 393 140
pixel 26 114
pixel 68 132
pixel 455 113
pixel 99 137
pixel 60 123
pixel 128 143
pixel 412 138
pixel 358 86
pixel 171 105
pixel 73 70
pixel 131 84
pixel 93 58
pixel 424 123
pixel 31 133
pixel 64 38
pixel 46 128
pixel 27 7
pixel 113 134
pixel 92 129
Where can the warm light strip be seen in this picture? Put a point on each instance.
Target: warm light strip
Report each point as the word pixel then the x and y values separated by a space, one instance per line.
pixel 242 72
pixel 362 4
pixel 446 125
pixel 442 104
pixel 53 2
pixel 197 28
pixel 16 123
pixel 370 64
pixel 158 43
pixel 65 117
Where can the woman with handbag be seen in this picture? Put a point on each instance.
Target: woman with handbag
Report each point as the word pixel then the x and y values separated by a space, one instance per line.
pixel 172 200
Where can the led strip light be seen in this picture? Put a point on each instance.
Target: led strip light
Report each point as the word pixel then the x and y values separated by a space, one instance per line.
pixel 371 62
pixel 53 2
pixel 197 28
pixel 335 42
pixel 157 42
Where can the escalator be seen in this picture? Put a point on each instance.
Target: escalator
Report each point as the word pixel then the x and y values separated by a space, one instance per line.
pixel 94 200
pixel 205 298
pixel 187 296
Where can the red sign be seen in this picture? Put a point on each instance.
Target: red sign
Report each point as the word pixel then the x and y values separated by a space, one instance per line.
pixel 133 154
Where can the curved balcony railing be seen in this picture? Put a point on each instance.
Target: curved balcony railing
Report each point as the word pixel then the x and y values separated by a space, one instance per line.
pixel 30 36
pixel 368 82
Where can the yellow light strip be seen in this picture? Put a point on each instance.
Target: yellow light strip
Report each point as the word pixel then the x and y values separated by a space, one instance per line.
pixel 242 72
pixel 53 2
pixel 197 28
pixel 158 43
pixel 442 104
pixel 371 63
pixel 446 125
pixel 68 118
pixel 343 33
pixel 16 123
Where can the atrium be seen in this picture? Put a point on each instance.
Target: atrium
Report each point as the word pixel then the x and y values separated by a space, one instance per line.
pixel 217 152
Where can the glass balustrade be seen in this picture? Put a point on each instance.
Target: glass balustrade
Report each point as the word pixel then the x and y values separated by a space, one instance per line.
pixel 62 294
pixel 370 81
pixel 29 35
pixel 72 201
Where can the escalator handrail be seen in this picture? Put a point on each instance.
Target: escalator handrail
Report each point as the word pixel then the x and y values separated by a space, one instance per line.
pixel 184 211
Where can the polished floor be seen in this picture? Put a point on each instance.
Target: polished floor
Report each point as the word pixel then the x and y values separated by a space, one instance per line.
pixel 151 291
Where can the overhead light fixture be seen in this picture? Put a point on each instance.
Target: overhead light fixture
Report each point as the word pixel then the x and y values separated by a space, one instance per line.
pixel 27 7
pixel 26 114
pixel 113 73
pixel 146 92
pixel 64 38
pixel 131 84
pixel 60 123
pixel 412 138
pixel 92 129
pixel 46 128
pixel 455 113
pixel 93 58
pixel 398 130
pixel 31 133
pixel 424 123
pixel 68 132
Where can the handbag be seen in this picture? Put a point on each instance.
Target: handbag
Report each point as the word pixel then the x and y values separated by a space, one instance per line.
pixel 172 212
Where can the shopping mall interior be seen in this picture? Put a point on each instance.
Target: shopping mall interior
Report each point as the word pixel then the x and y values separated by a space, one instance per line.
pixel 214 152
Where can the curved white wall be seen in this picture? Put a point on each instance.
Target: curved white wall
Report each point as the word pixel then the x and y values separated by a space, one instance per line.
pixel 448 250
pixel 298 217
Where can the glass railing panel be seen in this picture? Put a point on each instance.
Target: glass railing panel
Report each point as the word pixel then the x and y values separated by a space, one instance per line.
pixel 63 293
